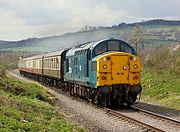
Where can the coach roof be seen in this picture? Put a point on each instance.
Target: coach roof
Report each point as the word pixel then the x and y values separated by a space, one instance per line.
pixel 55 53
pixel 34 57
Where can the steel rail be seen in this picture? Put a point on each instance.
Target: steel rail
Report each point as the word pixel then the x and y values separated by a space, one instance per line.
pixel 144 126
pixel 155 115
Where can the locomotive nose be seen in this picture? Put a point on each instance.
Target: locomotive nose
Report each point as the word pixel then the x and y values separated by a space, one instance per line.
pixel 118 68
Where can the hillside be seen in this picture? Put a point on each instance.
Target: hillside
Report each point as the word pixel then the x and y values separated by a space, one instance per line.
pixel 161 76
pixel 157 32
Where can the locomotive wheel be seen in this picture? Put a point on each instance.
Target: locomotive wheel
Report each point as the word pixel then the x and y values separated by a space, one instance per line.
pixel 120 101
pixel 104 100
pixel 129 104
pixel 97 98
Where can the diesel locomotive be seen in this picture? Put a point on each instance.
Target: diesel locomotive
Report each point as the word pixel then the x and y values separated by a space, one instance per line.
pixel 106 71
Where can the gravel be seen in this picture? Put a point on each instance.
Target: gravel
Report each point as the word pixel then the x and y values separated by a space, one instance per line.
pixel 90 116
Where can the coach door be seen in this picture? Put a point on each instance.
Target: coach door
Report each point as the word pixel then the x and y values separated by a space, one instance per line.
pixel 120 69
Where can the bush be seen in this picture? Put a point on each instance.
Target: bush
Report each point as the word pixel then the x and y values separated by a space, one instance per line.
pixel 162 61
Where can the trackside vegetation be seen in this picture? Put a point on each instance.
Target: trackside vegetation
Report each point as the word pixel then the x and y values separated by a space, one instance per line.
pixel 161 76
pixel 30 107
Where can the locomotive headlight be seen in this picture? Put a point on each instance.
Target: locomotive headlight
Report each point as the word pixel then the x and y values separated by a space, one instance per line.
pixel 104 66
pixel 124 67
pixel 134 58
pixel 106 58
pixel 135 66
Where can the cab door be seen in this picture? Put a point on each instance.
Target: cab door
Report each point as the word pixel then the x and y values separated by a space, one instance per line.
pixel 120 68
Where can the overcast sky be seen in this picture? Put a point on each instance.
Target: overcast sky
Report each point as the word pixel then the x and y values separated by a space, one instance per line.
pixel 20 19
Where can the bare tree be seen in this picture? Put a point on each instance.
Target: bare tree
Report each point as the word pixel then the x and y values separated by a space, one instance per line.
pixel 136 36
pixel 88 28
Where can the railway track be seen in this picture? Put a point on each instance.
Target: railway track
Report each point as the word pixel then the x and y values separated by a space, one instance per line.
pixel 133 122
pixel 157 116
pixel 140 124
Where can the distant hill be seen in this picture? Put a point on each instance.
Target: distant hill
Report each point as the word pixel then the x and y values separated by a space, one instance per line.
pixel 157 32
pixel 156 22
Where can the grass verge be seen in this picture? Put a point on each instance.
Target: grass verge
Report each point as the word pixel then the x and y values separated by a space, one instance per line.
pixel 30 107
pixel 161 76
pixel 161 89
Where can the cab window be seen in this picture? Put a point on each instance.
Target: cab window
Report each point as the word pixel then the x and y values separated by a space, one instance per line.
pixel 126 48
pixel 113 45
pixel 101 48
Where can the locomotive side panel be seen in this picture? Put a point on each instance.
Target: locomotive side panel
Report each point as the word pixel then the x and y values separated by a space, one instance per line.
pixel 76 68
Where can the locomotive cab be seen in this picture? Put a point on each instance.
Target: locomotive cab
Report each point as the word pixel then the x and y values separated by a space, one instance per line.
pixel 107 70
pixel 115 72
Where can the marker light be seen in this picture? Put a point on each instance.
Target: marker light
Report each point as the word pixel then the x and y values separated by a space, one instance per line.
pixel 134 58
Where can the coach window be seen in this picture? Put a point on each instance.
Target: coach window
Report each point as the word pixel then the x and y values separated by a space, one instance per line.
pixel 37 63
pixel 40 64
pixel 33 63
pixel 51 63
pixel 47 60
pixel 54 65
pixel 57 63
pixel 47 64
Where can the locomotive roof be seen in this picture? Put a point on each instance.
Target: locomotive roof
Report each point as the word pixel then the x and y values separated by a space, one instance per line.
pixel 79 48
pixel 86 46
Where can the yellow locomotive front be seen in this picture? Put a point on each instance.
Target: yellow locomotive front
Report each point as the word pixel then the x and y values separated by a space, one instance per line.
pixel 118 76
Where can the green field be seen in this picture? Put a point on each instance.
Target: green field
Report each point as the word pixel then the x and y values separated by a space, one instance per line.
pixel 30 107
